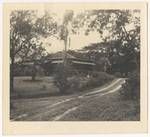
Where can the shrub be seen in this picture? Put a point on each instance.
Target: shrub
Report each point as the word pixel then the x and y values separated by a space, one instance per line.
pixel 74 83
pixel 97 79
pixel 60 79
pixel 117 74
pixel 67 83
pixel 131 88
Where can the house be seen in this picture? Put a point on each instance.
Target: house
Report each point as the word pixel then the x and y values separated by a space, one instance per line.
pixel 50 64
pixel 75 64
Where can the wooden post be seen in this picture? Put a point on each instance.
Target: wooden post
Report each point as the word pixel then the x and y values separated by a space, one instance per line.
pixel 65 45
pixel 65 52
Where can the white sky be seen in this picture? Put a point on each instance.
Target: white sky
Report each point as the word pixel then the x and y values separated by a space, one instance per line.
pixel 78 41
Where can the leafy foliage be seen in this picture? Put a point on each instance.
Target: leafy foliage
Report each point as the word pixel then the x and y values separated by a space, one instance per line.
pixel 120 34
pixel 131 88
pixel 46 25
pixel 25 31
pixel 61 80
pixel 26 28
pixel 97 79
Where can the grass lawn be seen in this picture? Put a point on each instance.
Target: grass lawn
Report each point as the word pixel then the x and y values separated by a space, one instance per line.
pixel 42 86
pixel 24 87
pixel 107 108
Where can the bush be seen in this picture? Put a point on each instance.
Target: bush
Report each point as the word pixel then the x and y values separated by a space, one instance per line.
pixel 131 88
pixel 74 83
pixel 67 83
pixel 97 79
pixel 117 74
pixel 61 80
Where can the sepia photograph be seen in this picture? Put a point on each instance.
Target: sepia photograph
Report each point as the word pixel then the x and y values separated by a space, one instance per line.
pixel 75 64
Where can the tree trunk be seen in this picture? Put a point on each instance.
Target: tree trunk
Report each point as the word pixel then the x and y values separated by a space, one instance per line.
pixel 33 72
pixel 12 76
pixel 33 77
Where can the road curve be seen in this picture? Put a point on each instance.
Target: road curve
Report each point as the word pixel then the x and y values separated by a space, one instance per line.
pixel 48 110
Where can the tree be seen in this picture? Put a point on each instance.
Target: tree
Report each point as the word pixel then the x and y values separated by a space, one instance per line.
pixel 62 70
pixel 36 54
pixel 20 35
pixel 64 31
pixel 123 44
pixel 25 31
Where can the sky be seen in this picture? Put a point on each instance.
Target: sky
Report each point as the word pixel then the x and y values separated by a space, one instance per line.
pixel 77 41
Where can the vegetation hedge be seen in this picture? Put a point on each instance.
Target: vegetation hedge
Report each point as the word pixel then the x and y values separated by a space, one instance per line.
pixel 131 88
pixel 97 79
pixel 67 83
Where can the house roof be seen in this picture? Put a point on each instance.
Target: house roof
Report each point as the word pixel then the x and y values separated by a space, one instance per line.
pixel 60 55
pixel 57 61
pixel 84 63
pixel 75 62
pixel 57 58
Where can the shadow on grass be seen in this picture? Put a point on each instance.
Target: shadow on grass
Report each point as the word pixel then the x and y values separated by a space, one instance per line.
pixel 41 95
pixel 30 80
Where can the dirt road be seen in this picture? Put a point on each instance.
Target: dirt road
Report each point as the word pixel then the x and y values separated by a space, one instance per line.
pixel 59 107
